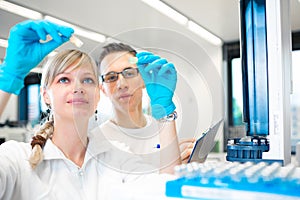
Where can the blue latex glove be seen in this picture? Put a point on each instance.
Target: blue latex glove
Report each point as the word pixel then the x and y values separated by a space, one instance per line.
pixel 25 51
pixel 160 79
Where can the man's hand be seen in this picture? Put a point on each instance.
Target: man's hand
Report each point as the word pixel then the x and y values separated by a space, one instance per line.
pixel 186 147
pixel 160 79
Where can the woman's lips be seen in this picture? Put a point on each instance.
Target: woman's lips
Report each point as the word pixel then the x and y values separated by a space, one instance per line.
pixel 77 101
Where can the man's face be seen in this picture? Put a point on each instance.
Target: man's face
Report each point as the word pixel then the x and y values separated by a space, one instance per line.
pixel 125 93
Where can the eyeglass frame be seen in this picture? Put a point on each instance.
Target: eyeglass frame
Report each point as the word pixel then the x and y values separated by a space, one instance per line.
pixel 117 73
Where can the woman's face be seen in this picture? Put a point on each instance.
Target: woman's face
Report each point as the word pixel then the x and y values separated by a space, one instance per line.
pixel 73 93
pixel 124 93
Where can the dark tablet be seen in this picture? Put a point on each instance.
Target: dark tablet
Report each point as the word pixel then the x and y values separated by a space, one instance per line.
pixel 205 143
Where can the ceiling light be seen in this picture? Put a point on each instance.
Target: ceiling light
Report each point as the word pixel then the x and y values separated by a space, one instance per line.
pixel 167 10
pixel 79 31
pixel 183 20
pixel 3 43
pixel 19 10
pixel 90 35
pixel 204 33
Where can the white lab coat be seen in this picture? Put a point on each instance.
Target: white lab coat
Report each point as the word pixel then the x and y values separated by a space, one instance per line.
pixel 140 141
pixel 104 172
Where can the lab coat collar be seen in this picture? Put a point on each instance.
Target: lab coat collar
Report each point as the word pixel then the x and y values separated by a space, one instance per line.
pixel 95 147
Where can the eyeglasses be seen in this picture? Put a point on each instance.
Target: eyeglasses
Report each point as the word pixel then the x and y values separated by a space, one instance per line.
pixel 127 73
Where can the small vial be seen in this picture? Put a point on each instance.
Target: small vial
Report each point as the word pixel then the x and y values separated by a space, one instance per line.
pixel 48 38
pixel 133 60
pixel 76 41
pixel 73 39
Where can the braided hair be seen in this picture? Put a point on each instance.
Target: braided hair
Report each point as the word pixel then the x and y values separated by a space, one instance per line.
pixel 38 142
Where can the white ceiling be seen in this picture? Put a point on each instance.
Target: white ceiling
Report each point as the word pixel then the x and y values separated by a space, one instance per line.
pixel 117 18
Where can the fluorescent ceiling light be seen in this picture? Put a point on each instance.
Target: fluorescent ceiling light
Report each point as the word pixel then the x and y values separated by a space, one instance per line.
pixel 183 20
pixel 3 43
pixel 167 10
pixel 204 33
pixel 19 10
pixel 90 35
pixel 79 31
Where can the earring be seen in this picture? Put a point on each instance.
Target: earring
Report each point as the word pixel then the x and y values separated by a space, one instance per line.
pixel 96 117
pixel 48 113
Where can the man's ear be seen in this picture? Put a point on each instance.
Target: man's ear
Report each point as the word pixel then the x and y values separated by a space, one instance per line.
pixel 102 88
pixel 97 98
pixel 143 84
pixel 142 81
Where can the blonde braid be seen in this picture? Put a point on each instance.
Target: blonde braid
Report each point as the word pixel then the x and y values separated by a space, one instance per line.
pixel 38 142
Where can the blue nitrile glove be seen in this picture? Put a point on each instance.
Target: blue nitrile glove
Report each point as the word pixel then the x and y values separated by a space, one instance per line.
pixel 160 79
pixel 25 51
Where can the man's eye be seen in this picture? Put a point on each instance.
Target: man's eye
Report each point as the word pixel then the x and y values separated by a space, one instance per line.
pixel 63 80
pixel 111 77
pixel 129 74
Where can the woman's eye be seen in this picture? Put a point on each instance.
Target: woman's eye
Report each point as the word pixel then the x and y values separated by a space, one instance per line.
pixel 63 80
pixel 88 80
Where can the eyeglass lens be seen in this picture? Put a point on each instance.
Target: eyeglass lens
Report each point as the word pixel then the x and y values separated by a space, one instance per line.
pixel 126 73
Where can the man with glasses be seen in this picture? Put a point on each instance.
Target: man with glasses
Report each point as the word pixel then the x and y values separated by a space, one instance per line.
pixel 124 74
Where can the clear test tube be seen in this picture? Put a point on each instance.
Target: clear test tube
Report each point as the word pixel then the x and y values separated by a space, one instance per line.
pixel 73 39
pixel 76 41
pixel 133 60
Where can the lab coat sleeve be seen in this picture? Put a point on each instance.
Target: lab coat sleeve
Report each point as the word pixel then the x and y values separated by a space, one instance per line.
pixel 10 162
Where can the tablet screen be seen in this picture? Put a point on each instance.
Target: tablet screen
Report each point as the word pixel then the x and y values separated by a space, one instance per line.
pixel 205 143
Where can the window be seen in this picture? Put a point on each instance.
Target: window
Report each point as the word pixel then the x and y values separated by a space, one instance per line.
pixel 295 99
pixel 237 92
pixel 30 109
